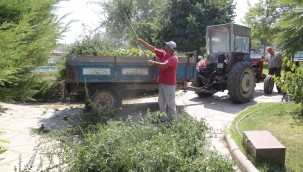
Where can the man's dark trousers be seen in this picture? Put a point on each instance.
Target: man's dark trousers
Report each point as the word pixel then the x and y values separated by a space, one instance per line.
pixel 277 72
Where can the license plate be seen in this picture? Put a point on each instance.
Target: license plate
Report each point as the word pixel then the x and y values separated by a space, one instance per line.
pixel 220 65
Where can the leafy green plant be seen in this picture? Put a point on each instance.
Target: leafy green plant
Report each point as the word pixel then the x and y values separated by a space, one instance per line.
pixel 143 146
pixel 286 28
pixel 292 82
pixel 48 87
pixel 96 114
pixel 97 142
pixel 96 47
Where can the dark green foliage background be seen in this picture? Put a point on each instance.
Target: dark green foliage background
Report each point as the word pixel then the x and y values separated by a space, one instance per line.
pixel 183 21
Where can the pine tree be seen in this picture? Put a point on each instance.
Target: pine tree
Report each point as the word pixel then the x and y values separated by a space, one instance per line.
pixel 28 33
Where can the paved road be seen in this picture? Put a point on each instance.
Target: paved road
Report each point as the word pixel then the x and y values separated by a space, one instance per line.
pixel 19 121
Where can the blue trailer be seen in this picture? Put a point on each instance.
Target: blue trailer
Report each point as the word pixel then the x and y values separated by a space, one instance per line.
pixel 106 77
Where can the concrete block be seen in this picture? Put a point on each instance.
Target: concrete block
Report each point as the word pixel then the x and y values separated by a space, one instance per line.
pixel 264 146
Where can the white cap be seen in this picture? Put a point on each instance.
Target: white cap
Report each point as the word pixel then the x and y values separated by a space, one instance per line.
pixel 171 44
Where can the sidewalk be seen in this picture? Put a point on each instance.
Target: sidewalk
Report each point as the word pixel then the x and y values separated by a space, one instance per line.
pixel 19 123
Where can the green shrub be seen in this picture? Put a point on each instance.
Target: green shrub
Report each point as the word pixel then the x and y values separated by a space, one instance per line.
pixel 48 88
pixel 96 114
pixel 292 82
pixel 95 47
pixel 143 146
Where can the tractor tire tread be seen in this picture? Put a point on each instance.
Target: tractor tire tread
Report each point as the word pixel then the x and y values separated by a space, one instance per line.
pixel 233 83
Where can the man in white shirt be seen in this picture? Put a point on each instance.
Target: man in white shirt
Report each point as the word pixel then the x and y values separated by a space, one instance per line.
pixel 274 64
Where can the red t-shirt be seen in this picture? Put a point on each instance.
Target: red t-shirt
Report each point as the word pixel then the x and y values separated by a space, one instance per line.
pixel 167 75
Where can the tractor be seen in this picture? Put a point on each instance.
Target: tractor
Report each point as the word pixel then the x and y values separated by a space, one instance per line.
pixel 228 65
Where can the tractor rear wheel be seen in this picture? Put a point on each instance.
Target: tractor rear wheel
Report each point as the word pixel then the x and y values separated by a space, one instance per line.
pixel 241 82
pixel 268 84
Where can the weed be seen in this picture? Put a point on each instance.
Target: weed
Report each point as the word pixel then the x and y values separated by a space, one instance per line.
pixel 35 165
pixel 42 130
pixel 96 114
pixel 44 113
pixel 28 166
pixel 2 110
pixel 3 147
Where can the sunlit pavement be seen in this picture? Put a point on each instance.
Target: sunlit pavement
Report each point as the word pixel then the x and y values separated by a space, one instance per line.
pixel 20 123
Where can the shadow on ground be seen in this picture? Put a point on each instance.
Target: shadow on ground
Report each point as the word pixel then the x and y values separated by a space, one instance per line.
pixel 142 102
pixel 59 119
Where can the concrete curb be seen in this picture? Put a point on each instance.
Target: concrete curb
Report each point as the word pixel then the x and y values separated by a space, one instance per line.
pixel 242 161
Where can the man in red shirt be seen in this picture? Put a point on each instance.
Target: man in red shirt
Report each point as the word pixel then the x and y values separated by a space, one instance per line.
pixel 167 63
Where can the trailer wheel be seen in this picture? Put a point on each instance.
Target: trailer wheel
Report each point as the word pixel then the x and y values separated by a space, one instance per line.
pixel 199 83
pixel 268 84
pixel 107 97
pixel 241 82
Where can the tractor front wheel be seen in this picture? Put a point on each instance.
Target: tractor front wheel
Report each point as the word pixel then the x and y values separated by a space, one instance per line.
pixel 268 84
pixel 241 82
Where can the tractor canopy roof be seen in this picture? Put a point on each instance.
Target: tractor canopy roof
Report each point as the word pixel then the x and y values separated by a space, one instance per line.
pixel 227 38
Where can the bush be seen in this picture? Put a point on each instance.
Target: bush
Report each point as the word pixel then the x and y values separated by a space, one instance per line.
pixel 48 88
pixel 28 34
pixel 95 47
pixel 292 82
pixel 144 146
pixel 96 115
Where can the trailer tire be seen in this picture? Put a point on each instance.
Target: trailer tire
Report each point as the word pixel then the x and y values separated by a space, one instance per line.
pixel 241 82
pixel 268 84
pixel 198 83
pixel 106 96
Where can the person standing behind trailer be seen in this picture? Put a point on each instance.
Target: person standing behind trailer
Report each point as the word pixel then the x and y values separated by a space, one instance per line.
pixel 167 64
pixel 274 60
